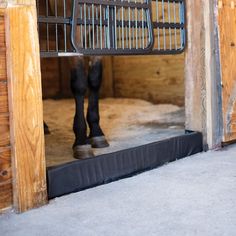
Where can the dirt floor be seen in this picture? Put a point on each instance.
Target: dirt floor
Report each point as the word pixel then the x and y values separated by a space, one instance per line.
pixel 125 122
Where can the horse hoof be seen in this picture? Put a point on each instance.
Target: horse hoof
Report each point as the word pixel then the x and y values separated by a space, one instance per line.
pixel 83 151
pixel 99 142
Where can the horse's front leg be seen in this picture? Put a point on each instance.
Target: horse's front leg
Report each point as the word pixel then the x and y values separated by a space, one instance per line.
pixel 81 148
pixel 96 136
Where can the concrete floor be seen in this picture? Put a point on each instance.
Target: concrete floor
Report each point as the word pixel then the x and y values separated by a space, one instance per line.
pixel 192 196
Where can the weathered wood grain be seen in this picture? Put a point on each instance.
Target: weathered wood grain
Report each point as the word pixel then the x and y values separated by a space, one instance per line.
pixel 2 48
pixel 5 178
pixel 5 154
pixel 5 195
pixel 3 88
pixel 3 97
pixel 3 104
pixel 5 164
pixel 2 33
pixel 4 130
pixel 227 30
pixel 202 79
pixel 3 71
pixel 26 113
pixel 159 79
pixel 194 66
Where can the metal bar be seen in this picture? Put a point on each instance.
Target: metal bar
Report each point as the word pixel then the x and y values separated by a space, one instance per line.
pixel 97 32
pixel 122 26
pixel 100 25
pixel 163 19
pixel 175 28
pixel 130 37
pixel 89 28
pixel 85 30
pixel 93 25
pixel 115 28
pixel 169 20
pixel 56 26
pixel 47 27
pixel 65 29
pixel 81 27
pixel 142 29
pixel 158 28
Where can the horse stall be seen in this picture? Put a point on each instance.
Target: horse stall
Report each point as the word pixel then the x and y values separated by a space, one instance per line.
pixel 138 128
pixel 161 98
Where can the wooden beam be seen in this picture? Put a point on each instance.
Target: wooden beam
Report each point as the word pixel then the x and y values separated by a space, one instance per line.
pixel 5 178
pixel 214 122
pixel 6 195
pixel 202 77
pixel 227 32
pixel 193 67
pixel 25 104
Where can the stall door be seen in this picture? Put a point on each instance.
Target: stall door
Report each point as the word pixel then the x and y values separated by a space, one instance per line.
pixel 100 27
pixel 227 32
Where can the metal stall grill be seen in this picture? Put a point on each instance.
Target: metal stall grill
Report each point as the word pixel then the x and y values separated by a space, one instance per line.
pixel 111 27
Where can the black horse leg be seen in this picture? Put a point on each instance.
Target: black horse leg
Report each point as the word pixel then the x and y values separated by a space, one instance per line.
pixel 81 148
pixel 97 138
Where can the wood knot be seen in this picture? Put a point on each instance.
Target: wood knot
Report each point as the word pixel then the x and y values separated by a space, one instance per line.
pixel 4 173
pixel 232 44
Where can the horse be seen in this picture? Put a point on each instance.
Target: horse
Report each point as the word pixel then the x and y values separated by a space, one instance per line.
pixel 86 73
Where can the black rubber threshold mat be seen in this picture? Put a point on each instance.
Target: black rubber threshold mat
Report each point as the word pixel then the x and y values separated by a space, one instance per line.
pixel 82 174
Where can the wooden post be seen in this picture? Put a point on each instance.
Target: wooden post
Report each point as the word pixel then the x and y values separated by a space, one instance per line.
pixel 227 32
pixel 25 105
pixel 5 154
pixel 202 72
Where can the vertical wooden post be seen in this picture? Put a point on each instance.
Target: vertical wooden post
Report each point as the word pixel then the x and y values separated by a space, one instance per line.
pixel 5 154
pixel 202 72
pixel 214 118
pixel 227 32
pixel 25 105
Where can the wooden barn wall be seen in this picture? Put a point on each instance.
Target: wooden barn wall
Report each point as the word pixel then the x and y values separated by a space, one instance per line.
pixel 50 77
pixel 159 79
pixel 56 78
pixel 5 154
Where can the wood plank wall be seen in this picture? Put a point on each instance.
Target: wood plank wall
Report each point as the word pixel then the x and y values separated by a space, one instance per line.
pixel 159 79
pixel 5 154
pixel 56 78
pixel 50 77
